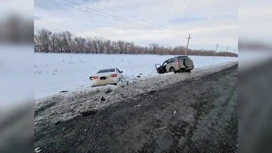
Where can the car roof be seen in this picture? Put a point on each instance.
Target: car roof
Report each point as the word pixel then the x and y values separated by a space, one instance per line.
pixel 182 56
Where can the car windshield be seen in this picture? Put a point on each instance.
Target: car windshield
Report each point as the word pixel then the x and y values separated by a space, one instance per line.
pixel 106 71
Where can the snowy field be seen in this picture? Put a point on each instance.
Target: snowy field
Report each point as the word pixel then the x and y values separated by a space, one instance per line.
pixel 57 72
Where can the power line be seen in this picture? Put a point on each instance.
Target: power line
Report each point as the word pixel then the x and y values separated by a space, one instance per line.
pixel 130 16
pixel 104 15
pixel 114 16
pixel 154 24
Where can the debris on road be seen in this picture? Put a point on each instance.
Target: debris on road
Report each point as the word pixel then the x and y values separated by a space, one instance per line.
pixel 102 98
pixel 152 91
pixel 109 90
pixel 37 150
pixel 63 91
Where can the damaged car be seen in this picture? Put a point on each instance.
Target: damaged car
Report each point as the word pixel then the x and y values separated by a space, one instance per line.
pixel 107 77
pixel 176 64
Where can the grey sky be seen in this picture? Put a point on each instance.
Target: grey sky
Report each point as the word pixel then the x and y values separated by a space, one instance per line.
pixel 145 21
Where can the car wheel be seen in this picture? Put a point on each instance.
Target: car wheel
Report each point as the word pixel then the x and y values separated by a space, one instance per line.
pixel 172 70
pixel 187 62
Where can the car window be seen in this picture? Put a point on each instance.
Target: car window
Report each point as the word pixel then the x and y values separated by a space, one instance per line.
pixel 182 57
pixel 106 71
pixel 171 60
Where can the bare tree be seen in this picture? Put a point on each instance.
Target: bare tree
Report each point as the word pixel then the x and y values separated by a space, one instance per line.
pixel 66 42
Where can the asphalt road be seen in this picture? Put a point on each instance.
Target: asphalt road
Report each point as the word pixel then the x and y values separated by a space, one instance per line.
pixel 196 115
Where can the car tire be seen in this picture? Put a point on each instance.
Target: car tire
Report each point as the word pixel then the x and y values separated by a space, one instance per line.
pixel 189 71
pixel 187 62
pixel 172 70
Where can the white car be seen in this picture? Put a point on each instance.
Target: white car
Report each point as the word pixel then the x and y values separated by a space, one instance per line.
pixel 107 76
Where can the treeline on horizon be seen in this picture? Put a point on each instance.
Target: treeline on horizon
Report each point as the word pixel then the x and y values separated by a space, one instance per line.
pixel 65 42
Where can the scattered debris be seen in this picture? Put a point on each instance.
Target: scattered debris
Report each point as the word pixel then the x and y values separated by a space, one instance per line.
pixel 127 83
pixel 58 122
pixel 170 132
pixel 102 98
pixel 134 99
pixel 63 91
pixel 152 91
pixel 37 150
pixel 160 128
pixel 109 90
pixel 174 112
pixel 138 105
pixel 164 128
pixel 138 76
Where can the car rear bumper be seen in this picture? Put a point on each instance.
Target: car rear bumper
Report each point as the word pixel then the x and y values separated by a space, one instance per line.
pixel 98 82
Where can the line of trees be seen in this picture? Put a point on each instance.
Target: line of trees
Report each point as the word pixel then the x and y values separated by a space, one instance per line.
pixel 65 42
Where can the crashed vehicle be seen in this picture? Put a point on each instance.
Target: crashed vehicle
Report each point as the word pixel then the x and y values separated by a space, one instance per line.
pixel 107 77
pixel 176 64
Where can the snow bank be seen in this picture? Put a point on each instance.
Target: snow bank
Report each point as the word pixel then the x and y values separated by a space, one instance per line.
pixel 57 72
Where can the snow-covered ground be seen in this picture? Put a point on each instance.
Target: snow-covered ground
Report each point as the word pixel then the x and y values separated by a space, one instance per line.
pixel 57 72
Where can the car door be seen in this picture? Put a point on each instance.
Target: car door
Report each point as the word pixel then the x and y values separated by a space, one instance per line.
pixel 168 65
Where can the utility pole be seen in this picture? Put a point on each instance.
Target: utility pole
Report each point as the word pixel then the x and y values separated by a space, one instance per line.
pixel 234 52
pixel 188 43
pixel 215 50
pixel 226 51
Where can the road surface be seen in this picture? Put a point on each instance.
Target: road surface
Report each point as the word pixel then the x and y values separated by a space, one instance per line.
pixel 195 115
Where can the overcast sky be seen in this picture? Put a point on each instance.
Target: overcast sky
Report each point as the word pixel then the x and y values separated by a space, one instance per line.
pixel 167 22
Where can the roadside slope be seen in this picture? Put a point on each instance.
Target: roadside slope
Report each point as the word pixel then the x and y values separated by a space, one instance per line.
pixel 196 115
